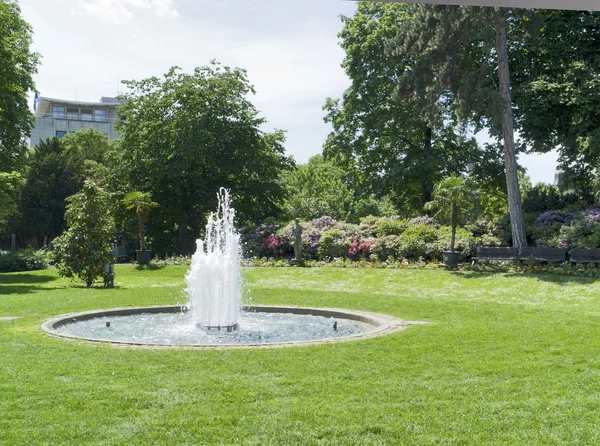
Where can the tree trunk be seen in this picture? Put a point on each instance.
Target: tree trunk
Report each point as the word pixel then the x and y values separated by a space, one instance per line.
pixel 427 187
pixel 142 231
pixel 454 223
pixel 512 180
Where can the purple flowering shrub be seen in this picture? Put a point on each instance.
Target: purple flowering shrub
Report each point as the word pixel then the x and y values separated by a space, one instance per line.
pixel 551 218
pixel 263 241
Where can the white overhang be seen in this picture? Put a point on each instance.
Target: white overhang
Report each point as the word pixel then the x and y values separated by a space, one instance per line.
pixel 588 5
pixel 44 103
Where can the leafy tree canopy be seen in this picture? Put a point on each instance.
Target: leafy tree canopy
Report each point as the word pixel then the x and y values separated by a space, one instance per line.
pixel 389 146
pixel 316 189
pixel 17 66
pixel 186 135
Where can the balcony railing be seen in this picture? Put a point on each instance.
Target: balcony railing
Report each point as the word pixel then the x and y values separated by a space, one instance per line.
pixel 78 117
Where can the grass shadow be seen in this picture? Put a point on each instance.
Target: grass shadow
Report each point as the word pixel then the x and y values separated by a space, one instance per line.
pixel 23 289
pixel 11 278
pixel 149 267
pixel 557 279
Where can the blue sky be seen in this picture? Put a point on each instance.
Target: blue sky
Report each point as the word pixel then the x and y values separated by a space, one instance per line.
pixel 289 48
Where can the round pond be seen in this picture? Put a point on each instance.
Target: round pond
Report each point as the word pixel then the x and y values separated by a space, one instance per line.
pixel 258 326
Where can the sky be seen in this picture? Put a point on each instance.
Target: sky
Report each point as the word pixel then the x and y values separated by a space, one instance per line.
pixel 289 49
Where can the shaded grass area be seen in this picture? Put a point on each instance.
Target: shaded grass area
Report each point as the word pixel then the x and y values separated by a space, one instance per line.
pixel 507 359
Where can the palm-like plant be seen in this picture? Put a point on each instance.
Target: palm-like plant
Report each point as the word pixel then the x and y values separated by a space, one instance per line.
pixel 142 203
pixel 452 193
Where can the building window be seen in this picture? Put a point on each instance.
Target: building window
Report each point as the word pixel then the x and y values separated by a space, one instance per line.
pixel 86 114
pixel 58 111
pixel 60 133
pixel 72 113
pixel 100 115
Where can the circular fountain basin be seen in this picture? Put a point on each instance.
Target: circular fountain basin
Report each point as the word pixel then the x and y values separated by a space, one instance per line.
pixel 259 326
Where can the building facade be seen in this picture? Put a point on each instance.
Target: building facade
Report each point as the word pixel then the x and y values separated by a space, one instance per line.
pixel 57 117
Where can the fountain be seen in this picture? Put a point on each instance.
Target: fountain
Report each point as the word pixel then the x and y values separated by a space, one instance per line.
pixel 214 315
pixel 213 281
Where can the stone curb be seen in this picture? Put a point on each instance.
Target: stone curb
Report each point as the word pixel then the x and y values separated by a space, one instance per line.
pixel 382 324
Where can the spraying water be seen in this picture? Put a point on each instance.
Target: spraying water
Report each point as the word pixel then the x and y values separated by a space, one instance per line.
pixel 213 281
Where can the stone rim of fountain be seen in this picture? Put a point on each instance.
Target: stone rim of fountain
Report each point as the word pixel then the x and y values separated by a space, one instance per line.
pixel 382 324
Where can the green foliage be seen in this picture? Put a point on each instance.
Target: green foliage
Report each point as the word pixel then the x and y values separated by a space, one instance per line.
pixel 84 248
pixel 384 144
pixel 556 89
pixel 315 189
pixel 183 136
pixel 388 226
pixel 142 203
pixel 451 195
pixel 10 183
pixel 84 150
pixel 545 197
pixel 423 242
pixel 333 243
pixel 49 180
pixel 17 67
pixel 28 260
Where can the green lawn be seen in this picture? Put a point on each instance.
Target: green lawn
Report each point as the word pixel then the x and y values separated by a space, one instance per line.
pixel 507 359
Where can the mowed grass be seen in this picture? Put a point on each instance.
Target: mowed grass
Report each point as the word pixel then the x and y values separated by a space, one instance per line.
pixel 506 359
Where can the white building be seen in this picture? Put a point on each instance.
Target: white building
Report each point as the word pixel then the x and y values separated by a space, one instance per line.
pixel 57 117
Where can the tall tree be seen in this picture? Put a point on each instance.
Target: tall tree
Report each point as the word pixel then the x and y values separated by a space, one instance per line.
pixel 390 146
pixel 455 58
pixel 17 66
pixel 186 135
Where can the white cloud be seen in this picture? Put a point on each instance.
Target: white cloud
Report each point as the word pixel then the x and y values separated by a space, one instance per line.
pixel 121 11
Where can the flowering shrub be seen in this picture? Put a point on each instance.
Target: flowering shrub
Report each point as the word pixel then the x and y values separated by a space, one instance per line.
pixel 378 238
pixel 359 248
pixel 324 222
pixel 551 218
pixel 564 229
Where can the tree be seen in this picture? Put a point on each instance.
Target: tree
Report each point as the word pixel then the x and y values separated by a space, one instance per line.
pixel 557 90
pixel 186 135
pixel 18 66
pixel 451 194
pixel 49 180
pixel 84 248
pixel 388 146
pixel 316 189
pixel 455 59
pixel 142 203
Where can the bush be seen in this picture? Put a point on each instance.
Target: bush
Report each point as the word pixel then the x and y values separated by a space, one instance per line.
pixel 333 243
pixel 27 260
pixel 84 248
